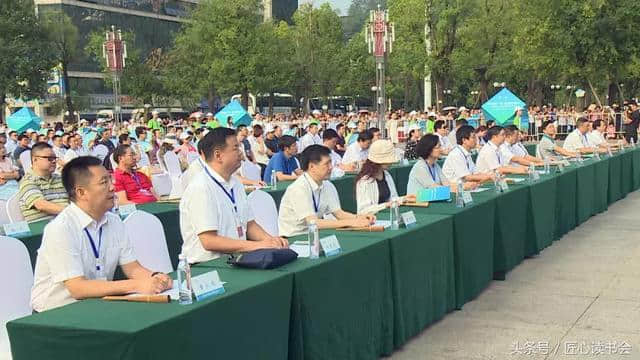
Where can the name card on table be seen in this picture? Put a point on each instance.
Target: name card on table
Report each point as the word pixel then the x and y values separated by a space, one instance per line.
pixel 409 219
pixel 330 245
pixel 466 197
pixel 207 285
pixel 439 193
pixel 20 228
pixel 536 176
pixel 503 185
pixel 126 210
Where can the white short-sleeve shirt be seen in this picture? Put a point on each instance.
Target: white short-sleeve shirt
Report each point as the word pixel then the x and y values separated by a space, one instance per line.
pixel 575 141
pixel 506 153
pixel 444 142
pixel 354 153
pixel 309 139
pixel 519 150
pixel 489 158
pixel 458 164
pixel 66 253
pixel 596 138
pixel 206 207
pixel 298 203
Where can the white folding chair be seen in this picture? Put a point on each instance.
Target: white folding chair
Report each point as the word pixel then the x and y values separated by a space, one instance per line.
pixel 114 165
pixel 148 241
pixel 13 209
pixel 100 151
pixel 264 210
pixel 160 162
pixel 251 171
pixel 144 160
pixel 172 162
pixel 16 297
pixel 161 183
pixel 25 160
pixel 4 214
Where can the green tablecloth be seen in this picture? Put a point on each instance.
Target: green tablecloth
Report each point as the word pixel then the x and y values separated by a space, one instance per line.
pixel 249 321
pixel 636 170
pixel 615 183
pixel 626 177
pixel 566 194
pixel 585 191
pixel 473 239
pixel 601 190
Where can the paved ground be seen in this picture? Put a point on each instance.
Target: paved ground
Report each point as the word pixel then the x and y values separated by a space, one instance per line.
pixel 579 299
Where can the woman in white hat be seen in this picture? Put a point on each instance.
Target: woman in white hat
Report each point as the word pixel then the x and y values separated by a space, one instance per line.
pixel 374 185
pixel 414 136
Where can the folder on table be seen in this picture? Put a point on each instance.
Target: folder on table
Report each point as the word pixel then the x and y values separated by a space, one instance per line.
pixel 440 193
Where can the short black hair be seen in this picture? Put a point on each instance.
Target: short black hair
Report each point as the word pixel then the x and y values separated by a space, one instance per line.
pixel 56 137
pixel 461 122
pixel 76 172
pixel 510 130
pixel 122 138
pixel 240 127
pixel 465 132
pixel 313 154
pixel 581 120
pixel 329 134
pixel 374 130
pixel 494 131
pixel 38 147
pixel 140 130
pixel 339 126
pixel 546 123
pixel 425 145
pixel 22 136
pixel 286 141
pixel 119 152
pixel 214 140
pixel 597 123
pixel 439 124
pixel 365 135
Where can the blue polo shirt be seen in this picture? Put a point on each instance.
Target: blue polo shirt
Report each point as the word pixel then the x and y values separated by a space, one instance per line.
pixel 279 162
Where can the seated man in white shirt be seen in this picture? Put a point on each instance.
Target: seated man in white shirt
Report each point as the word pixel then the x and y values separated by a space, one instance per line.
pixel 441 130
pixel 84 244
pixel 513 149
pixel 491 159
pixel 459 165
pixel 311 137
pixel 452 135
pixel 215 216
pixel 577 140
pixel 330 139
pixel 312 196
pixel 358 151
pixel 596 136
pixel 547 148
pixel 75 150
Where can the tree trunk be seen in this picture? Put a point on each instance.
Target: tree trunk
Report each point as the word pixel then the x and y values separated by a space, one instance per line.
pixel 439 80
pixel 67 91
pixel 211 98
pixel 2 96
pixel 593 91
pixel 612 93
pixel 405 104
pixel 271 104
pixel 245 98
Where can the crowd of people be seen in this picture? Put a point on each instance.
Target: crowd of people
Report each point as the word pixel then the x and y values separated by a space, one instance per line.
pixel 78 175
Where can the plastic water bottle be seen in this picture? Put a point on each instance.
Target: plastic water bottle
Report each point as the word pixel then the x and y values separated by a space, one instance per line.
pixel 459 191
pixel 609 152
pixel 532 170
pixel 184 281
pixel 632 142
pixel 313 236
pixel 394 214
pixel 579 157
pixel 546 165
pixel 596 153
pixel 274 180
pixel 496 181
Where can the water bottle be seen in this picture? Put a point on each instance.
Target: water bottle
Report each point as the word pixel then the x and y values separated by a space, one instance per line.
pixel 496 181
pixel 632 142
pixel 184 281
pixel 532 170
pixel 609 152
pixel 546 166
pixel 597 154
pixel 313 236
pixel 274 180
pixel 394 214
pixel 459 191
pixel 115 208
pixel 621 145
pixel 579 157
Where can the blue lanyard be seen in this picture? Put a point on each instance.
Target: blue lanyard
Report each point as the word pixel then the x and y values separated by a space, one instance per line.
pixel 585 142
pixel 316 204
pixel 434 173
pixel 96 250
pixel 465 158
pixel 136 179
pixel 498 156
pixel 230 195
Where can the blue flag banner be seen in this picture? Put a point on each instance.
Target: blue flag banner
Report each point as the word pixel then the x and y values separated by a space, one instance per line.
pixel 502 107
pixel 239 115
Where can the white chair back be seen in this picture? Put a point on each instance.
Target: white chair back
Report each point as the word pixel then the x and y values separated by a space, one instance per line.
pixel 25 160
pixel 4 214
pixel 264 209
pixel 100 151
pixel 173 164
pixel 251 171
pixel 148 241
pixel 144 160
pixel 160 162
pixel 161 183
pixel 13 209
pixel 192 156
pixel 15 296
pixel 114 165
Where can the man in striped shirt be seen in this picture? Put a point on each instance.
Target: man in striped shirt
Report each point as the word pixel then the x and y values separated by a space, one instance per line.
pixel 42 194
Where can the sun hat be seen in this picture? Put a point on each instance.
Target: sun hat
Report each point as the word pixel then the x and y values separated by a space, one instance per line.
pixel 382 152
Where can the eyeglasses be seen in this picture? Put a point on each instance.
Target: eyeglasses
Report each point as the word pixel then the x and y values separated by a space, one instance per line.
pixel 50 158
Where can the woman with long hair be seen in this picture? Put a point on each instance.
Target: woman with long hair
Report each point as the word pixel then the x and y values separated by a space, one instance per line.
pixel 374 185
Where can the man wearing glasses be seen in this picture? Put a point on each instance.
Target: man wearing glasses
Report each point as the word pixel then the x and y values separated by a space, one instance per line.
pixel 42 194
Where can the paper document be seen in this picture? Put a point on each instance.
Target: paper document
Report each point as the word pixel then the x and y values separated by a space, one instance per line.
pixel 516 180
pixel 301 248
pixel 383 223
pixel 478 190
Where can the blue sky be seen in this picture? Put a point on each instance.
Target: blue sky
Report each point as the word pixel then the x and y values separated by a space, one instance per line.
pixel 343 5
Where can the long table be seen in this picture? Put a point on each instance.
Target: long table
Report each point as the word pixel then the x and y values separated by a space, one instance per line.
pixel 363 303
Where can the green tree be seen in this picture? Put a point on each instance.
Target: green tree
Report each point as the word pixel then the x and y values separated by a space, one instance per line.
pixel 359 74
pixel 63 43
pixel 26 61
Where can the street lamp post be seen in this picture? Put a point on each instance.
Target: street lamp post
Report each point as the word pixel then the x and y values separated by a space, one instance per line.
pixel 380 36
pixel 114 51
